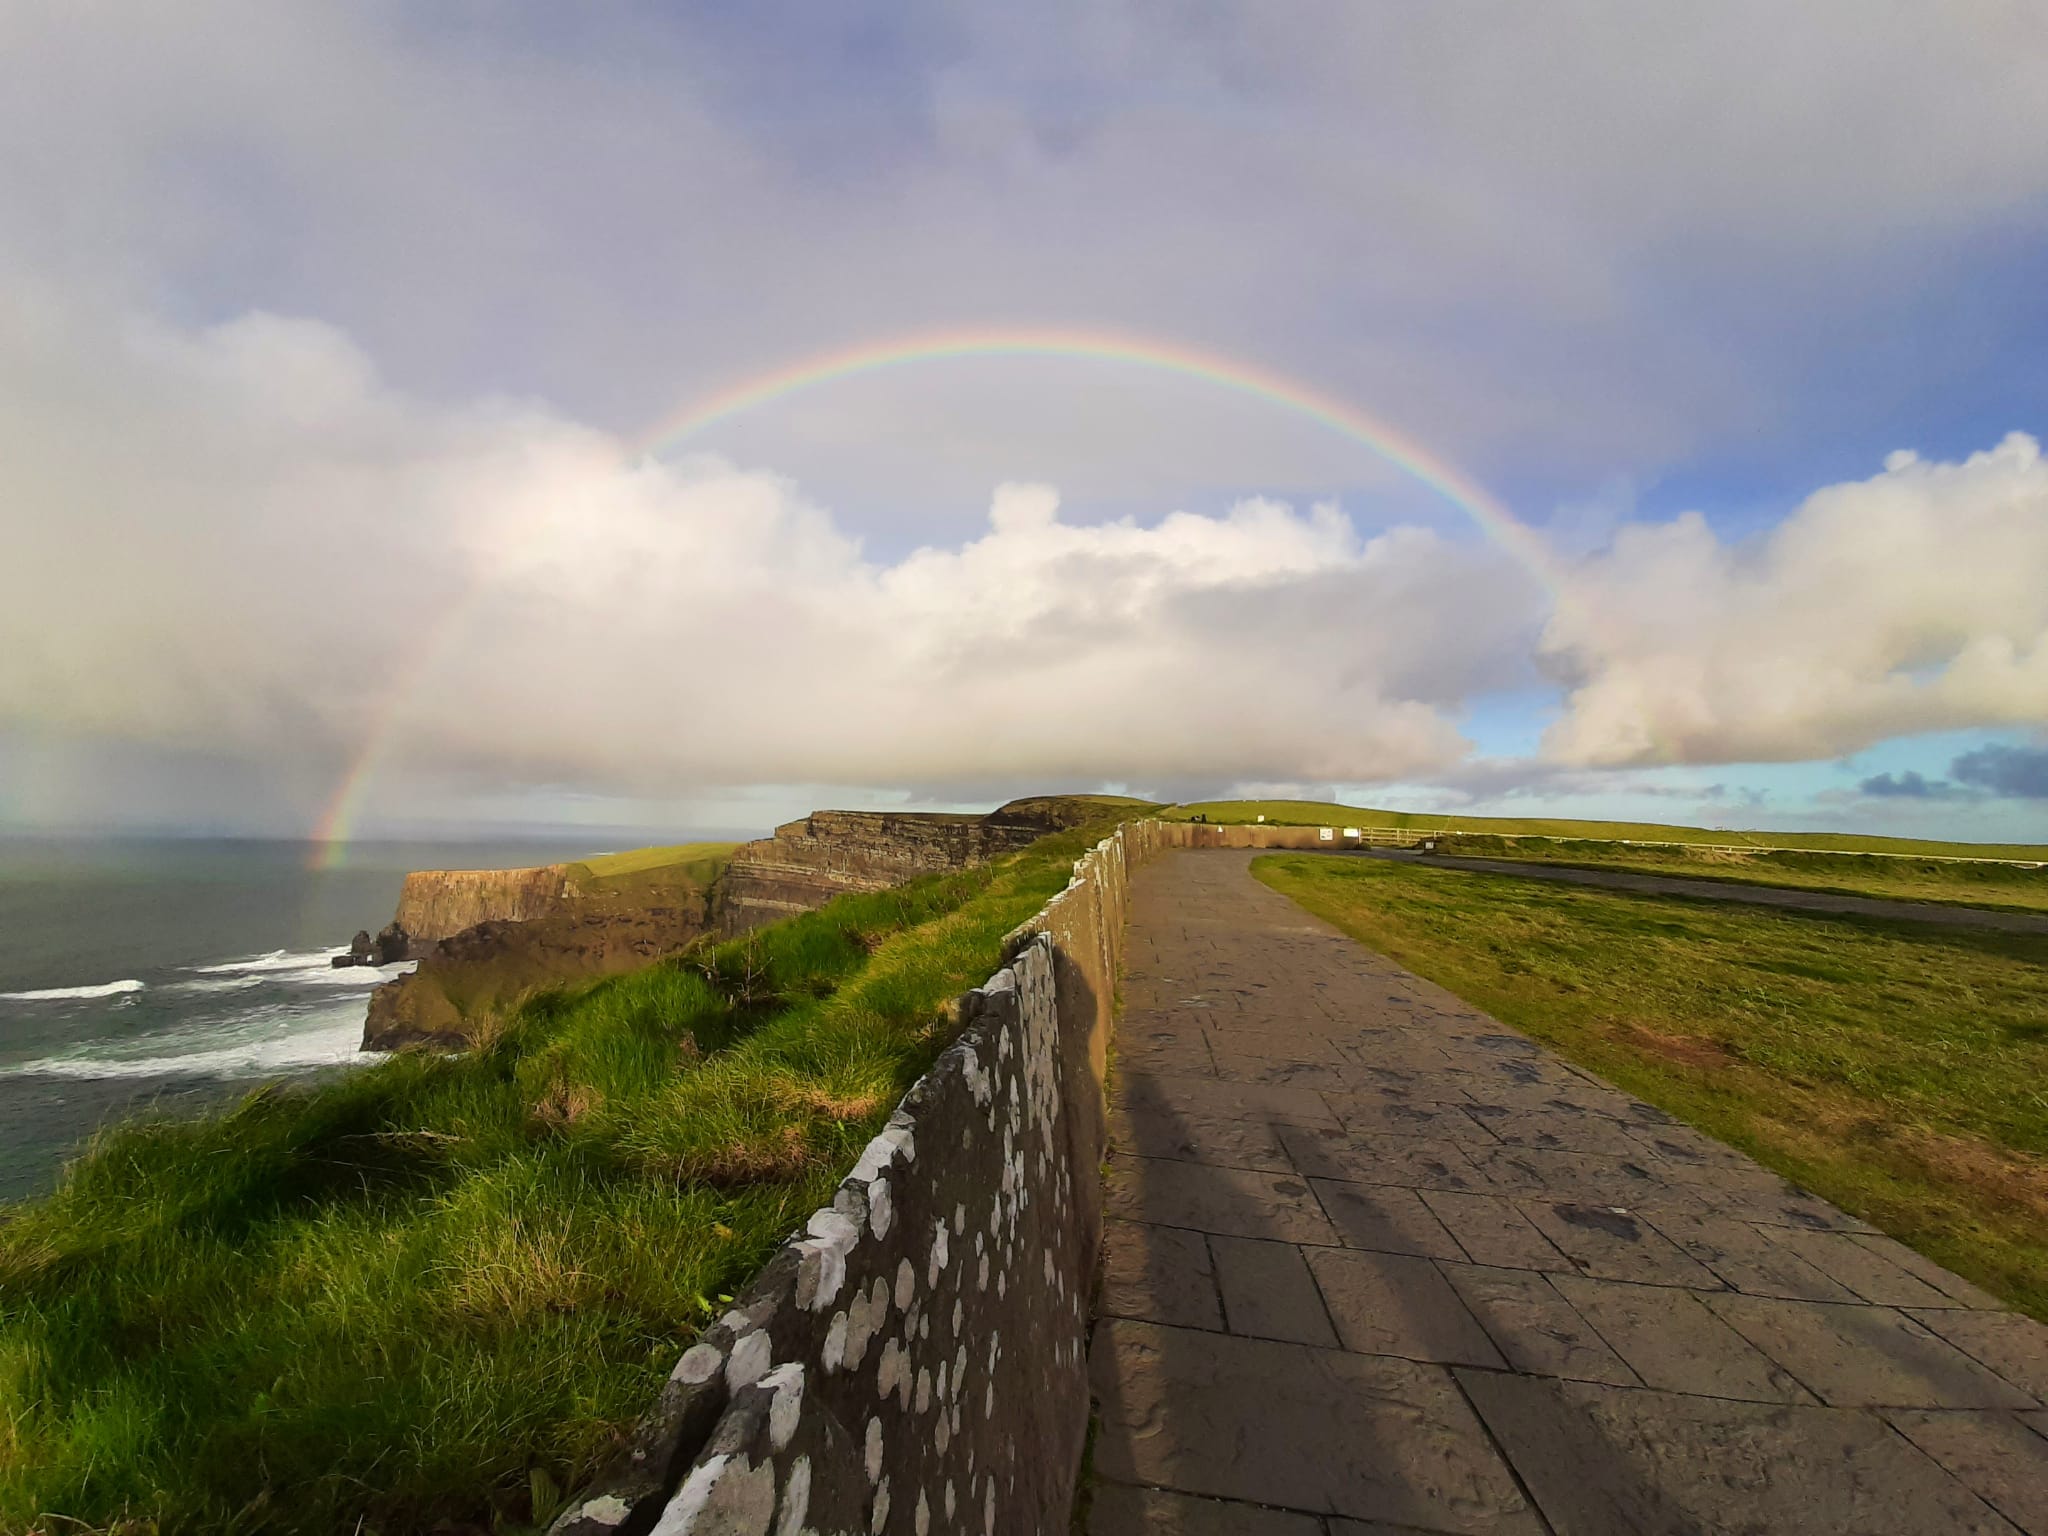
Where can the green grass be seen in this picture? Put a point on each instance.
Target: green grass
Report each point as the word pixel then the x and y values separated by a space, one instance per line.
pixel 1312 813
pixel 698 863
pixel 1900 1070
pixel 428 1288
pixel 2010 887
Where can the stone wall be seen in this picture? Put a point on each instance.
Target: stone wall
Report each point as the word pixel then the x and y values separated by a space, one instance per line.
pixel 914 1360
pixel 1210 834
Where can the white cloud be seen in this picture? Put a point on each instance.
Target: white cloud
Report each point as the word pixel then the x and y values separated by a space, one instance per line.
pixel 241 539
pixel 1546 244
pixel 1914 601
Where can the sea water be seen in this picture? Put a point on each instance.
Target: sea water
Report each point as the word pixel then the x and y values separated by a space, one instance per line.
pixel 173 974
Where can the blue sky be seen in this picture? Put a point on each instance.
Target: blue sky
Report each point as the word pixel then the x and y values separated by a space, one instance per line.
pixel 328 334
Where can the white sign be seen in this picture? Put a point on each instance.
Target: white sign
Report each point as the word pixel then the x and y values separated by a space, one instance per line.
pixel 1328 835
pixel 1351 832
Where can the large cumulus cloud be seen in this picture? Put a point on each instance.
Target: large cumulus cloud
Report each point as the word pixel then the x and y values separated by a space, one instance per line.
pixel 1916 600
pixel 239 536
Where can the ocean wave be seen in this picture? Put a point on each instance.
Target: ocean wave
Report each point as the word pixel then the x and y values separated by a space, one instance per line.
pixel 216 984
pixel 350 975
pixel 331 1038
pixel 275 960
pixel 58 994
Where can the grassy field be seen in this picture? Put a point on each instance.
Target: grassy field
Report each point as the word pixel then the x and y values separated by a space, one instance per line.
pixel 440 1289
pixel 1311 813
pixel 2011 887
pixel 1899 1070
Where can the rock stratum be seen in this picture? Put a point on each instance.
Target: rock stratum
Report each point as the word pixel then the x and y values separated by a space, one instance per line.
pixel 485 939
pixel 437 904
pixel 829 853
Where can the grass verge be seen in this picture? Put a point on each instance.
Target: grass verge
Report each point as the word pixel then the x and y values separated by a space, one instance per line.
pixel 2002 887
pixel 434 1292
pixel 1899 1070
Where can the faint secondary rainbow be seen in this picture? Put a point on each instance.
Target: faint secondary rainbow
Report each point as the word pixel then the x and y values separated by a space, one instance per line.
pixel 1493 520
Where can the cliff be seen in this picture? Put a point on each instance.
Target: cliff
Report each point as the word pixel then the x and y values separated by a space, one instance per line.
pixel 469 980
pixel 437 904
pixel 828 853
pixel 486 938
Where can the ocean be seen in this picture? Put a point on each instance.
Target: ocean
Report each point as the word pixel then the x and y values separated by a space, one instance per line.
pixel 172 974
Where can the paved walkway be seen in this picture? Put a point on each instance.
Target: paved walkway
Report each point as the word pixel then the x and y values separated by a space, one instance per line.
pixel 1734 890
pixel 1379 1264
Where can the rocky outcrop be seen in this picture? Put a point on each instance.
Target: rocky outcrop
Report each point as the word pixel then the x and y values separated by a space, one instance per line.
pixel 390 946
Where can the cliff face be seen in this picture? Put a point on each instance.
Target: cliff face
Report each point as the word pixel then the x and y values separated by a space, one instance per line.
pixel 470 979
pixel 828 853
pixel 437 904
pixel 485 938
pixel 808 862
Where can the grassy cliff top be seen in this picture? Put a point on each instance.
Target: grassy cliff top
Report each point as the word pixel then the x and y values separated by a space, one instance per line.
pixel 690 863
pixel 1326 813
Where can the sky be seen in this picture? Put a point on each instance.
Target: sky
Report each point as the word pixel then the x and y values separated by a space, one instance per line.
pixel 355 359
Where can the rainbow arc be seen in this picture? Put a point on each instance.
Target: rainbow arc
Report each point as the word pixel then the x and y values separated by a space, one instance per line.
pixel 1493 520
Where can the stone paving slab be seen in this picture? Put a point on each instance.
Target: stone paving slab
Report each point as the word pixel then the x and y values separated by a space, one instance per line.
pixel 1377 1265
pixel 1866 1356
pixel 1536 1328
pixel 2000 1460
pixel 1673 1343
pixel 1269 1293
pixel 1118 1507
pixel 1317 1430
pixel 1200 1136
pixel 1237 1202
pixel 1398 1304
pixel 1607 1461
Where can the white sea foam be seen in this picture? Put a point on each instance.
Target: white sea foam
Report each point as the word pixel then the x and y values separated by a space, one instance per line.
pixel 327 1038
pixel 364 976
pixel 306 968
pixel 217 984
pixel 58 994
pixel 275 960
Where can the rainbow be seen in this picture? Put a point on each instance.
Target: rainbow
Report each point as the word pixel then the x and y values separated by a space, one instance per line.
pixel 1493 520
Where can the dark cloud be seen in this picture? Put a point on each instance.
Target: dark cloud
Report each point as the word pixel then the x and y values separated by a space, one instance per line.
pixel 1907 786
pixel 2020 773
